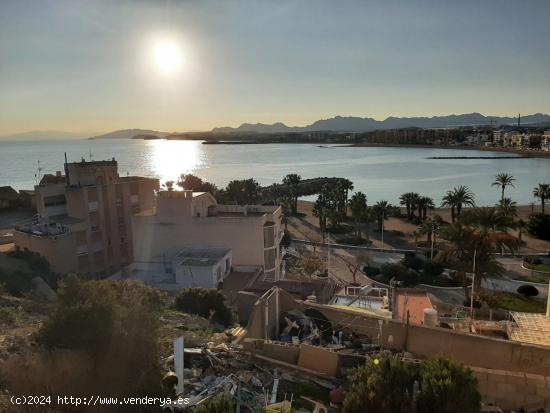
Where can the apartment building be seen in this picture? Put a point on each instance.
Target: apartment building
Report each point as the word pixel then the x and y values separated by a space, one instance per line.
pixel 83 222
pixel 187 219
pixel 545 141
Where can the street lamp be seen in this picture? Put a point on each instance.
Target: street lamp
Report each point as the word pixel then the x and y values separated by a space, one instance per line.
pixel 473 283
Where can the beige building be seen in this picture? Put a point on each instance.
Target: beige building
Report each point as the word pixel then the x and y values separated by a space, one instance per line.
pixel 183 219
pixel 545 141
pixel 83 222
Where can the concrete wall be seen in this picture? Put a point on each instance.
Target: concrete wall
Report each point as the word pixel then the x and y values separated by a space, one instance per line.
pixel 511 390
pixel 60 251
pixel 426 342
pixel 319 359
pixel 479 351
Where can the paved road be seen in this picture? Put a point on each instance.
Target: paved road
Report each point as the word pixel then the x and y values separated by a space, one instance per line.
pixel 506 283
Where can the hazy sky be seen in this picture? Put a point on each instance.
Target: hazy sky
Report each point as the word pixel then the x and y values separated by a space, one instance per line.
pixel 86 66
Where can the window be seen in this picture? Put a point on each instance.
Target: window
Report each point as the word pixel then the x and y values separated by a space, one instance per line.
pixel 93 206
pixel 54 200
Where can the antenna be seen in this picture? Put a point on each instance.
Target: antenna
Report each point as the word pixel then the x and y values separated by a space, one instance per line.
pixel 91 156
pixel 39 171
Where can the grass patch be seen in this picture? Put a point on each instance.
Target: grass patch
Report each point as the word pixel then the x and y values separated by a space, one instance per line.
pixel 534 278
pixel 538 267
pixel 513 302
pixel 436 281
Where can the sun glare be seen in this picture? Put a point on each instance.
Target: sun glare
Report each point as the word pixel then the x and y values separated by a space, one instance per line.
pixel 167 56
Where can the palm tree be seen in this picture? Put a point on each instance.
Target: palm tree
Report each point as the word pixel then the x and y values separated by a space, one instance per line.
pixel 487 220
pixel 449 201
pixel 463 196
pixel 424 203
pixel 409 200
pixel 320 210
pixel 358 207
pixel 521 226
pixel 345 185
pixel 507 208
pixel 381 211
pixel 503 180
pixel 430 226
pixel 291 181
pixel 543 193
pixel 481 233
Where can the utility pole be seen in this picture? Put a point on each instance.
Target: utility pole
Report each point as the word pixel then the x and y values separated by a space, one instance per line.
pixel 473 283
pixel 432 248
pixel 328 260
pixel 382 237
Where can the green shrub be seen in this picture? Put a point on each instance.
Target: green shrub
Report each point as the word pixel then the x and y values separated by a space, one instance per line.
pixel 383 384
pixel 207 303
pixel 116 324
pixel 528 290
pixel 371 271
pixel 413 262
pixel 386 384
pixel 400 273
pixel 7 316
pixel 17 282
pixel 432 269
pixel 447 386
pixel 539 226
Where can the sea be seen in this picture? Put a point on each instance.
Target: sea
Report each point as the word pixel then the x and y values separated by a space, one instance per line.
pixel 382 173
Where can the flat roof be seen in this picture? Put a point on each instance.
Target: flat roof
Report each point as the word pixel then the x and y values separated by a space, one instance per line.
pixel 531 328
pixel 201 256
pixel 415 302
pixel 65 219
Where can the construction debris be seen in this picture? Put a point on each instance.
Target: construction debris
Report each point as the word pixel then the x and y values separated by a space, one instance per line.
pixel 222 368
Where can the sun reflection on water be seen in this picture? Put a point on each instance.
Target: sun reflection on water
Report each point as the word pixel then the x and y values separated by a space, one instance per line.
pixel 170 159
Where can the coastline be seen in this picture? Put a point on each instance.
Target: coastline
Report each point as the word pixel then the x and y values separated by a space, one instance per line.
pixel 521 152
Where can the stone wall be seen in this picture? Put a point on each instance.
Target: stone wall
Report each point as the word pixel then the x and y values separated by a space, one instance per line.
pixel 512 390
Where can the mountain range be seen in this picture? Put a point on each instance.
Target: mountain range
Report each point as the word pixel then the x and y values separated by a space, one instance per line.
pixel 335 124
pixel 358 124
pixel 130 133
pixel 39 135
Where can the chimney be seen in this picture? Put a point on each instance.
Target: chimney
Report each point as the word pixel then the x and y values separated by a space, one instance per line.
pixel 57 173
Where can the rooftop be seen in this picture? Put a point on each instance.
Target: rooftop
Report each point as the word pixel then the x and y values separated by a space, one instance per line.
pixel 414 302
pixel 201 256
pixel 7 192
pixel 84 163
pixel 531 328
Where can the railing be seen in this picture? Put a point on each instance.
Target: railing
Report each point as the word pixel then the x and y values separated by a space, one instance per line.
pixel 38 227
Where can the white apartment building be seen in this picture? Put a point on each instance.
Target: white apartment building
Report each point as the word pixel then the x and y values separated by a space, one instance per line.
pixel 187 219
pixel 502 138
pixel 545 141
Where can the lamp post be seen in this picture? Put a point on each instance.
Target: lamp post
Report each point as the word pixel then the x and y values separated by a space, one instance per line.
pixel 432 248
pixel 473 283
pixel 382 237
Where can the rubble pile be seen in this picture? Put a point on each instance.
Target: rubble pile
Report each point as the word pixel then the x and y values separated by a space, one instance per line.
pixel 221 368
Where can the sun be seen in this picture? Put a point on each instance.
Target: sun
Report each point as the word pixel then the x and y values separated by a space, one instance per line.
pixel 167 56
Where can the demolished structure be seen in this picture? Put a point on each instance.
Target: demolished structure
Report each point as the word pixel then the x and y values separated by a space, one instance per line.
pixel 326 340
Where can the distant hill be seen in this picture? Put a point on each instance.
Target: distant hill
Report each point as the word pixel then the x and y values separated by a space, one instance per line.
pixel 42 135
pixel 358 124
pixel 130 133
